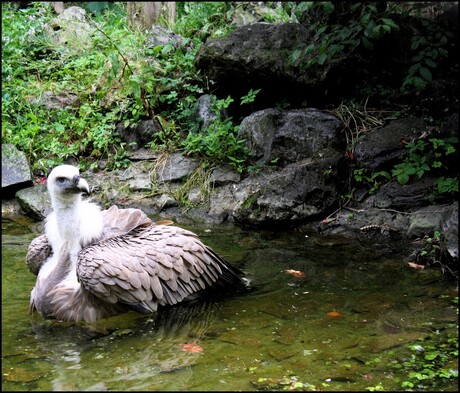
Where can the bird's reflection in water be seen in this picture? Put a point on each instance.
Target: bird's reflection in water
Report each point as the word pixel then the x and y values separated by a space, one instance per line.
pixel 131 348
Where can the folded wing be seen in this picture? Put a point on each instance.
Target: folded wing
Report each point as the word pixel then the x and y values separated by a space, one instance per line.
pixel 153 265
pixel 37 253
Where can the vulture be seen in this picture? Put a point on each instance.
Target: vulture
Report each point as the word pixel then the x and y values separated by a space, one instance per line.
pixel 92 263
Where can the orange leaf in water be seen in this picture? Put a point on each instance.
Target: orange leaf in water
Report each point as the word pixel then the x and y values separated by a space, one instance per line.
pixel 334 314
pixel 295 273
pixel 190 347
pixel 416 266
pixel 328 220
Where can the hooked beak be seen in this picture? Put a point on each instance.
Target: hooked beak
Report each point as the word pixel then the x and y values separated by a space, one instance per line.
pixel 81 185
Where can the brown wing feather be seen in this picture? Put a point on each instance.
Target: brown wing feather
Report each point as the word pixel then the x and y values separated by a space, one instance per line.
pixel 151 266
pixel 70 305
pixel 120 221
pixel 39 250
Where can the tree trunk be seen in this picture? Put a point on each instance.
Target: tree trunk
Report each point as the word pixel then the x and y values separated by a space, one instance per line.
pixel 146 14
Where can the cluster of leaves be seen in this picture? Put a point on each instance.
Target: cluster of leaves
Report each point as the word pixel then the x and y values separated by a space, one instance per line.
pixel 33 65
pixel 432 251
pixel 219 143
pixel 116 79
pixel 339 29
pixel 423 156
pixel 331 42
pixel 373 180
pixel 428 51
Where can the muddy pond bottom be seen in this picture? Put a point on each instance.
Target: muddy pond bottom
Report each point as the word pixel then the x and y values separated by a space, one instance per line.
pixel 321 314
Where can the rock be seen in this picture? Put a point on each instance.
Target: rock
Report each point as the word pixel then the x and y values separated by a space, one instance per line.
pixel 226 199
pixel 221 176
pixel 139 135
pixel 164 201
pixel 298 193
pixel 195 196
pixel 52 100
pixel 162 36
pixel 143 154
pixel 425 221
pixel 15 171
pixel 176 167
pixel 205 114
pixel 140 183
pixel 258 50
pixel 286 136
pixel 35 201
pixel 450 229
pixel 70 28
pixel 256 56
pixel 407 196
pixel 379 149
pixel 11 207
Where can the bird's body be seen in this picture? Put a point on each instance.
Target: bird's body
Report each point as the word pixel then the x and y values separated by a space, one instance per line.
pixel 91 264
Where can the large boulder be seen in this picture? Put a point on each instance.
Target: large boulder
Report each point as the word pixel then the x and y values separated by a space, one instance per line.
pixel 259 56
pixel 298 193
pixel 405 196
pixel 283 137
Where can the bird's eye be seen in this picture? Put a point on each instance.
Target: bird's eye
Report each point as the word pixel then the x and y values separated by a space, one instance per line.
pixel 60 179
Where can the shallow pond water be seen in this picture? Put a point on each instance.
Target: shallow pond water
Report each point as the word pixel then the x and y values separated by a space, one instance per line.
pixel 342 323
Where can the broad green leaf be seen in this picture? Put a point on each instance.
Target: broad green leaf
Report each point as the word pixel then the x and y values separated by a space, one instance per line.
pixel 425 73
pixel 403 178
pixel 322 58
pixel 390 23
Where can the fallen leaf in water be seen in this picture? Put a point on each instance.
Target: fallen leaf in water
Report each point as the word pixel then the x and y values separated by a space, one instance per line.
pixel 327 220
pixel 334 314
pixel 367 377
pixel 190 347
pixel 295 273
pixel 416 266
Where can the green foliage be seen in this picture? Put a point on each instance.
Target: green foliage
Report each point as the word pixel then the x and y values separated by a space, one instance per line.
pixel 200 181
pixel 423 156
pixel 219 142
pixel 201 20
pixel 433 252
pixel 373 180
pixel 118 78
pixel 339 29
pixel 33 65
pixel 332 42
pixel 428 50
pixel 250 97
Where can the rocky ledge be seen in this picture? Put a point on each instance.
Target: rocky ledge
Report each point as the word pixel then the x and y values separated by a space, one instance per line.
pixel 302 176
